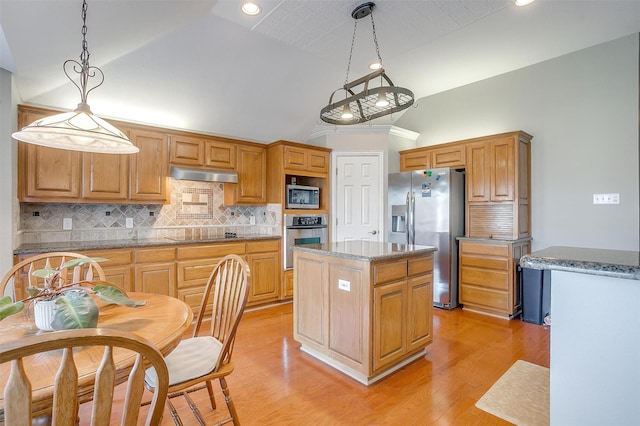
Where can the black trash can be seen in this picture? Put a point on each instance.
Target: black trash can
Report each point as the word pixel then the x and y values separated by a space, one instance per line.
pixel 536 295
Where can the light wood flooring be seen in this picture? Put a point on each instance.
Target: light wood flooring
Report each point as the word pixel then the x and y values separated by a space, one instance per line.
pixel 275 383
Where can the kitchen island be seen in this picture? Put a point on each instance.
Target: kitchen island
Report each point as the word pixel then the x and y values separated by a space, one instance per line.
pixel 365 308
pixel 595 337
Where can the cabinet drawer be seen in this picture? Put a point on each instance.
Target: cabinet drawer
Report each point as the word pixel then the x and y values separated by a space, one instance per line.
pixel 155 255
pixel 263 246
pixel 484 249
pixel 484 278
pixel 499 264
pixel 207 251
pixel 116 257
pixel 391 271
pixel 193 273
pixel 420 265
pixel 484 297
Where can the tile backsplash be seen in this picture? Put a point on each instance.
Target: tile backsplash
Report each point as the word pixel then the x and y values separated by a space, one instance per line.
pixel 194 207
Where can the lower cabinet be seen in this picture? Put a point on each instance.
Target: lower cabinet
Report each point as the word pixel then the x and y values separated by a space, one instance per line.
pixel 155 271
pixel 264 261
pixel 488 281
pixel 287 284
pixel 118 268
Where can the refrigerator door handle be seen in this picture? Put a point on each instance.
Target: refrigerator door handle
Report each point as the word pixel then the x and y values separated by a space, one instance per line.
pixel 408 219
pixel 413 217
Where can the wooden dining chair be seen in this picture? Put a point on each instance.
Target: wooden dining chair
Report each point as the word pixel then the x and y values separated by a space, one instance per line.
pixel 17 393
pixel 20 276
pixel 199 360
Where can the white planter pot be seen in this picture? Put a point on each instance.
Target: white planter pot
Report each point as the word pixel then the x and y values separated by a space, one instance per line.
pixel 44 311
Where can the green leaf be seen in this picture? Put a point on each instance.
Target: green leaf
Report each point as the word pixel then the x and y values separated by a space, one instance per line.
pixel 110 294
pixel 33 291
pixel 8 307
pixel 81 261
pixel 45 273
pixel 75 310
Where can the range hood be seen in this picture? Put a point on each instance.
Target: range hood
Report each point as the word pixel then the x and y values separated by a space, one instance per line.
pixel 201 175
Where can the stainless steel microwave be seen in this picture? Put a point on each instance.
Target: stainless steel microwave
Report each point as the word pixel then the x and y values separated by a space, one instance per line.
pixel 302 197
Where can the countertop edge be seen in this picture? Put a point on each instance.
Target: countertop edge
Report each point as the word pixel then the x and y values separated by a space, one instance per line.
pixel 361 257
pixel 34 248
pixel 533 261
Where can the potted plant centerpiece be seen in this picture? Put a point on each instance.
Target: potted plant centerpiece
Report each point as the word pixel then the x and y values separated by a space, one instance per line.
pixel 61 306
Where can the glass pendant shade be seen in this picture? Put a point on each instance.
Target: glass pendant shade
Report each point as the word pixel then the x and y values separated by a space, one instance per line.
pixel 78 130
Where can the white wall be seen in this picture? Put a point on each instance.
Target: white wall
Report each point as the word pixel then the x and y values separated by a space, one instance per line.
pixel 582 110
pixel 7 171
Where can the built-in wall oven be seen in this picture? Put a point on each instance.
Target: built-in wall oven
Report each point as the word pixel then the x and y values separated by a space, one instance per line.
pixel 303 229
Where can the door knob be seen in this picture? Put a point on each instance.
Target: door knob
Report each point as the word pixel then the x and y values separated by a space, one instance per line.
pixel 374 232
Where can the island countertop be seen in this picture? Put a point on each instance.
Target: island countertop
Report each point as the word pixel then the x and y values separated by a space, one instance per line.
pixel 365 250
pixel 611 263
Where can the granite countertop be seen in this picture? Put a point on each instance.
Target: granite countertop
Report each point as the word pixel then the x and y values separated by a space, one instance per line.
pixel 364 250
pixel 611 263
pixel 32 248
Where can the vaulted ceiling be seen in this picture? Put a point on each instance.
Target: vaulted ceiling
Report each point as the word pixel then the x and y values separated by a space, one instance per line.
pixel 203 65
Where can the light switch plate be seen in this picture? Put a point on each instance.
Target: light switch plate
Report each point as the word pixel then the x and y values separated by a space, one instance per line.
pixel 67 224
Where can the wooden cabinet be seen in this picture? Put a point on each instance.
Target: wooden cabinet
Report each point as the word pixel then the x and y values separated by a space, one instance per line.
pixel 498 186
pixel 251 188
pixel 155 270
pixel 148 168
pixel 365 317
pixel 308 160
pixel 203 152
pixel 488 280
pixel 264 261
pixel 402 309
pixel 118 268
pixel 287 284
pixel 58 175
pixel 451 154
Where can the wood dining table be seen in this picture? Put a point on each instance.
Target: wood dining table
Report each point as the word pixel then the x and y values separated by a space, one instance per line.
pixel 162 320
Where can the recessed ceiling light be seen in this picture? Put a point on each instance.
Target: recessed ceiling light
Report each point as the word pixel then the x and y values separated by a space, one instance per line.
pixel 250 8
pixel 523 2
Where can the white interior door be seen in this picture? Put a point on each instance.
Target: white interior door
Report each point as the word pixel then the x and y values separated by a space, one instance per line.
pixel 358 197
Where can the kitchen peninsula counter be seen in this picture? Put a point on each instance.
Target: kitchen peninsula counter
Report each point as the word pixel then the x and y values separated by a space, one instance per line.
pixel 595 343
pixel 365 308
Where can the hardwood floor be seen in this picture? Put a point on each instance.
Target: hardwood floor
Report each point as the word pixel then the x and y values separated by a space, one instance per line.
pixel 275 383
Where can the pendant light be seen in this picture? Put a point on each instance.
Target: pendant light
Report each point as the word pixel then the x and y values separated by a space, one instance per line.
pixel 376 98
pixel 79 130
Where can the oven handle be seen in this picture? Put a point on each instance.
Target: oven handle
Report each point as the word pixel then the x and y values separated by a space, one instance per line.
pixel 306 227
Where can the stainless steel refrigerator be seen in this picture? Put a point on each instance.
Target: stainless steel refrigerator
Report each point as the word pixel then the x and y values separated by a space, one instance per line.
pixel 427 208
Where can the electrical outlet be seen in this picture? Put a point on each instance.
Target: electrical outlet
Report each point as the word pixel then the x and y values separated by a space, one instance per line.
pixel 606 198
pixel 344 285
pixel 252 220
pixel 128 222
pixel 67 224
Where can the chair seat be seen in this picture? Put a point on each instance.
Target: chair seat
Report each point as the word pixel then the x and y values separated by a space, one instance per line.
pixel 192 358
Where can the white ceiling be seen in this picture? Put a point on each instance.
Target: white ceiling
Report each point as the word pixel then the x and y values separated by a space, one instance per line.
pixel 203 65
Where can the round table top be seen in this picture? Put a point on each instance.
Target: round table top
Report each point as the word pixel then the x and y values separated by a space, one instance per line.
pixel 162 320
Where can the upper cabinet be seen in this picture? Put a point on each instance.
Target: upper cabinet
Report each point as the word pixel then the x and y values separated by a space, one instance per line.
pixel 63 176
pixel 498 184
pixel 203 152
pixel 432 157
pixel 308 164
pixel 251 167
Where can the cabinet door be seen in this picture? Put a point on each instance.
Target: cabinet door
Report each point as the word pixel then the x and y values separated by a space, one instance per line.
pixel 187 151
pixel 419 313
pixel 452 156
pixel 49 173
pixel 478 175
pixel 295 158
pixel 220 155
pixel 389 323
pixel 502 169
pixel 105 176
pixel 318 162
pixel 148 174
pixel 287 291
pixel 158 278
pixel 415 160
pixel 265 277
pixel 251 188
pixel 121 276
